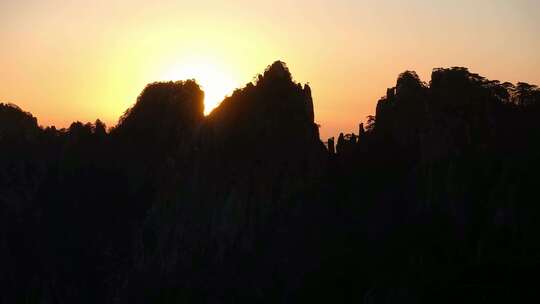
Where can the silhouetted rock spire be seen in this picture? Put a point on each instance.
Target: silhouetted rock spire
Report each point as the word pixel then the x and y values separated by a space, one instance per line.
pixel 331 146
pixel 309 103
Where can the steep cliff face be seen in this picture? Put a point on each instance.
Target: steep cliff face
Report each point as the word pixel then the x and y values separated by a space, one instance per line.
pixel 444 170
pixel 157 134
pixel 255 214
pixel 460 182
pixel 402 114
pixel 259 150
pixel 254 158
pixel 268 127
pixel 457 110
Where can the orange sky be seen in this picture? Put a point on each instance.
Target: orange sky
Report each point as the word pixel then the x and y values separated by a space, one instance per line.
pixel 66 61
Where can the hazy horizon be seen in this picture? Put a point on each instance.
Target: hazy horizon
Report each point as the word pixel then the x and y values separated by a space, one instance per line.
pixel 79 61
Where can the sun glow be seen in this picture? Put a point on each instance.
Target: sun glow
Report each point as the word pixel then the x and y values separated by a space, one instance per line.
pixel 215 83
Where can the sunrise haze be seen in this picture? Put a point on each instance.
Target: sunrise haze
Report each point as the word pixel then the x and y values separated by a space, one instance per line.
pixel 67 61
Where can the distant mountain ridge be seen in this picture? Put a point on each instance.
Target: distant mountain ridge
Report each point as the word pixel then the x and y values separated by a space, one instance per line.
pixel 436 193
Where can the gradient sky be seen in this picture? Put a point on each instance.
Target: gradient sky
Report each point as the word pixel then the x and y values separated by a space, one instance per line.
pixel 82 60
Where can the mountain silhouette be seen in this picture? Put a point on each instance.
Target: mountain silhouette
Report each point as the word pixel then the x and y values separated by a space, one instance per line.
pixel 433 200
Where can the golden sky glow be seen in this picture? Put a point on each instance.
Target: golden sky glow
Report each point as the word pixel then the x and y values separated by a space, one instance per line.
pixel 76 60
pixel 215 80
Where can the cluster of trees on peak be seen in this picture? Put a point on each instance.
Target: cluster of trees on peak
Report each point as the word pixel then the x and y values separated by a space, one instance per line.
pixel 434 200
pixel 414 110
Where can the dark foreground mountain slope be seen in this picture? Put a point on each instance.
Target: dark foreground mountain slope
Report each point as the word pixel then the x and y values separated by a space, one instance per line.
pixel 434 200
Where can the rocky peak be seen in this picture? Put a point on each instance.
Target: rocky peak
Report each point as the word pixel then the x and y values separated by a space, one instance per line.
pixel 164 113
pixel 277 71
pixel 16 125
pixel 275 111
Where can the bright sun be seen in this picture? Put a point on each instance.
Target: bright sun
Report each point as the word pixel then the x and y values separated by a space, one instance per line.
pixel 213 81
